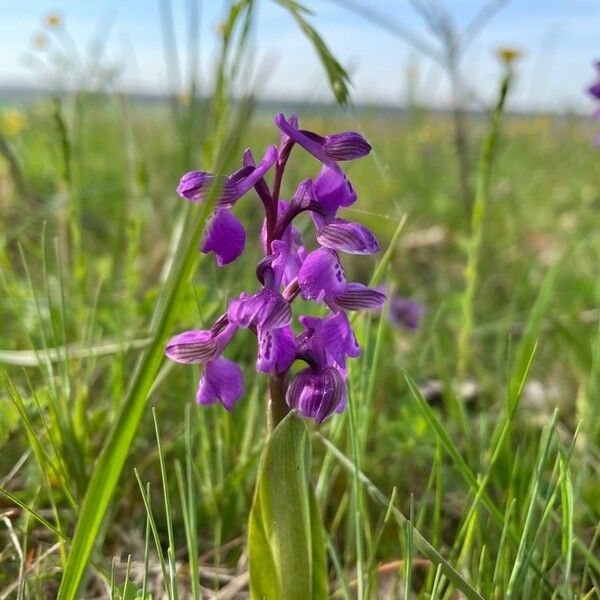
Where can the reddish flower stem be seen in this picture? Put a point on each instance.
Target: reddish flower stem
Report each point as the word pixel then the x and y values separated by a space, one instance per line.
pixel 278 408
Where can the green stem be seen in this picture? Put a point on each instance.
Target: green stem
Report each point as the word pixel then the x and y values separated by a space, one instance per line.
pixel 277 405
pixel 481 192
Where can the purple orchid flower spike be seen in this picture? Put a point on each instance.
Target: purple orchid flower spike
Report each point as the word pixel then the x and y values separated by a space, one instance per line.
pixel 285 271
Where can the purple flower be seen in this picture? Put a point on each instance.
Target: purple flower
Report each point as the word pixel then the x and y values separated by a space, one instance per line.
pixel 321 278
pixel 347 145
pixel 288 252
pixel 276 350
pixel 332 190
pixel 269 315
pixel 225 235
pixel 406 312
pixel 594 89
pixel 287 259
pixel 316 394
pixel 222 378
pixel 267 309
pixel 285 142
pixel 321 275
pixel 196 185
pixel 319 390
pixel 285 271
pixel 328 341
pixel 339 234
pixel 199 346
pixel 189 347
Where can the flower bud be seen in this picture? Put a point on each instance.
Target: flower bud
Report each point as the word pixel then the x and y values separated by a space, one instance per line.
pixel 316 394
pixel 195 186
pixel 347 145
pixel 347 236
pixel 190 347
pixel 357 296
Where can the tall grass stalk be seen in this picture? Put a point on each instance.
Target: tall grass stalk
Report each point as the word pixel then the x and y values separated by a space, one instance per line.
pixel 484 172
pixel 112 459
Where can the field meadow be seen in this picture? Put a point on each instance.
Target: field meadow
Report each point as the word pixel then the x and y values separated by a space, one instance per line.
pixel 469 453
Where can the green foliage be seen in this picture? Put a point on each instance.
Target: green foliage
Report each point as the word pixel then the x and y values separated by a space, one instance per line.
pixel 339 80
pixel 286 552
pixel 505 494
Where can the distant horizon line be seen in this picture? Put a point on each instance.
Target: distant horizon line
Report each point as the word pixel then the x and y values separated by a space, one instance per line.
pixel 15 92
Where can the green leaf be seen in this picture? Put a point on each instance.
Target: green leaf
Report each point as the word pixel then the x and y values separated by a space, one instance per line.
pixel 115 450
pixel 286 546
pixel 336 74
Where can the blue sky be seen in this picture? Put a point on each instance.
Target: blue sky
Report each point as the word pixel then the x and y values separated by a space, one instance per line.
pixel 559 39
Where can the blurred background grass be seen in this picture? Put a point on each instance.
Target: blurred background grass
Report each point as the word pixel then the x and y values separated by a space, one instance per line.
pixel 86 239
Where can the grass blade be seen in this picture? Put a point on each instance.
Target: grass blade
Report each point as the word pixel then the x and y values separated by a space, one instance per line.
pixel 419 541
pixel 112 459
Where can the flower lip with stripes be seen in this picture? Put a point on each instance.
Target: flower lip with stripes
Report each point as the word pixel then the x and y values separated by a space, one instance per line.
pixel 320 389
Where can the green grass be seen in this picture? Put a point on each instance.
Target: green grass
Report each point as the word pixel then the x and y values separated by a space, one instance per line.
pixel 494 492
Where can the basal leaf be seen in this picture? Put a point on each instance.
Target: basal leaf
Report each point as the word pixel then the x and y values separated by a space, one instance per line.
pixel 285 538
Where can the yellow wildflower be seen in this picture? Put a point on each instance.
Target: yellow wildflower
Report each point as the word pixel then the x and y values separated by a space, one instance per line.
pixel 184 98
pixel 12 121
pixel 508 55
pixel 53 20
pixel 39 41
